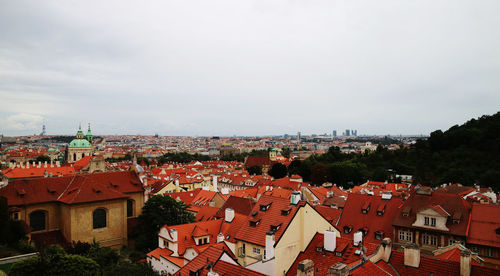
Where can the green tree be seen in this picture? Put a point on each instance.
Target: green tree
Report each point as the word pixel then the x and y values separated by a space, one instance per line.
pixel 158 211
pixel 320 174
pixel 255 170
pixel 42 158
pixel 54 261
pixel 278 170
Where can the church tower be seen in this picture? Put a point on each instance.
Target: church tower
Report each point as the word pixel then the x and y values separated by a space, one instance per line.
pixel 80 146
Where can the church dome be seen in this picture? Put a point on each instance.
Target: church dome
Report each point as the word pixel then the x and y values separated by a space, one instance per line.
pixel 79 143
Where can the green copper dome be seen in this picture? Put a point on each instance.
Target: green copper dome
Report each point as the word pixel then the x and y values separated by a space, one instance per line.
pixel 79 143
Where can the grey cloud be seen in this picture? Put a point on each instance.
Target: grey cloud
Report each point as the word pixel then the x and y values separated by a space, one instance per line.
pixel 249 67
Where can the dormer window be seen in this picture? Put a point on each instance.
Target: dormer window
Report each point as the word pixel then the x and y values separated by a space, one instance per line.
pixel 275 227
pixel 406 211
pixel 264 207
pixel 381 210
pixel 456 217
pixel 285 212
pixel 365 208
pixel 254 222
pixel 347 229
pixel 379 235
pixel 254 213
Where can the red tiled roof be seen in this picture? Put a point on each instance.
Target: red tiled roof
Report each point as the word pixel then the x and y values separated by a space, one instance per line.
pixel 34 172
pixel 323 259
pixel 485 221
pixel 206 213
pixel 456 189
pixel 257 161
pixel 353 217
pixel 72 189
pixel 163 252
pixel 451 203
pixel 240 205
pixel 272 216
pixel 211 257
pixel 331 214
pixel 186 197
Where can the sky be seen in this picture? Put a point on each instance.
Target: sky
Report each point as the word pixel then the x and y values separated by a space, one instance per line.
pixel 226 67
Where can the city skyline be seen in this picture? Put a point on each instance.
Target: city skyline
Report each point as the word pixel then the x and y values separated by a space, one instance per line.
pixel 253 68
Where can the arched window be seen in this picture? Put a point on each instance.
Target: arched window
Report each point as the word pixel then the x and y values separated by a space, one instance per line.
pixel 37 220
pixel 74 156
pixel 130 207
pixel 83 155
pixel 99 218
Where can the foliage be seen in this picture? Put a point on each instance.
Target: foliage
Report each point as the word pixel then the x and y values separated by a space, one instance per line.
pixel 255 170
pixel 130 269
pixel 12 232
pixel 181 157
pixel 158 211
pixel 466 154
pixel 54 261
pixel 278 170
pixel 42 158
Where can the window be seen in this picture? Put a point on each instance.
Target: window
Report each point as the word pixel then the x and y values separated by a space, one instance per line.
pixel 74 156
pixel 433 221
pixel 379 235
pixel 426 221
pixel 489 252
pixel 130 207
pixel 37 220
pixel 401 235
pixel 405 235
pixel 15 216
pixel 433 240
pixel 256 250
pixel 99 218
pixel 408 236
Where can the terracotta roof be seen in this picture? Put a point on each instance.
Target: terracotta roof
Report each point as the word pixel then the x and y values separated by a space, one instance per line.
pixel 34 172
pixel 257 161
pixel 72 189
pixel 372 221
pixel 159 252
pixel 210 258
pixel 456 189
pixel 323 259
pixel 485 221
pixel 240 205
pixel 206 213
pixel 271 216
pixel 186 197
pixel 331 214
pixel 450 203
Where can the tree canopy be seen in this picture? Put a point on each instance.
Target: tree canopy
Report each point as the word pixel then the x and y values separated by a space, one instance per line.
pixel 158 211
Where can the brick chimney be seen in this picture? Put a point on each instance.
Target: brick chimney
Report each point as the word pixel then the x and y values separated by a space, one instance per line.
pixel 412 255
pixel 305 268
pixel 338 269
pixel 465 262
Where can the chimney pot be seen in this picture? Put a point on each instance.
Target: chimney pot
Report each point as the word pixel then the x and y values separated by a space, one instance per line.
pixel 305 268
pixel 412 255
pixel 338 269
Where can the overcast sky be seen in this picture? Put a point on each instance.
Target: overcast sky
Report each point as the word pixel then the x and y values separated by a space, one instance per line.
pixel 247 67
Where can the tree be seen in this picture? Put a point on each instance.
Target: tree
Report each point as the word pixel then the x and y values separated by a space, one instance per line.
pixel 158 211
pixel 42 158
pixel 278 170
pixel 54 261
pixel 320 174
pixel 255 170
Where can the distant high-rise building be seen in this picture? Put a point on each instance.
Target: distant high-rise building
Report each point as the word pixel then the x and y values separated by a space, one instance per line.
pixel 43 131
pixel 334 133
pixel 347 132
pixel 354 132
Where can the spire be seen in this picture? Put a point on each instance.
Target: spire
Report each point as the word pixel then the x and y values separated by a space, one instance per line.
pixel 79 133
pixel 89 134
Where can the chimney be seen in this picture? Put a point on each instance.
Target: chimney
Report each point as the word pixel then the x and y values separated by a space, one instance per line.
pixel 58 164
pixel 465 262
pixel 338 269
pixel 177 182
pixel 412 255
pixel 39 164
pixel 45 164
pixel 229 215
pixel 358 238
pixel 220 237
pixel 173 234
pixel 51 163
pixel 27 165
pixel 386 246
pixel 214 184
pixel 330 240
pixel 269 245
pixel 295 198
pixel 305 268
